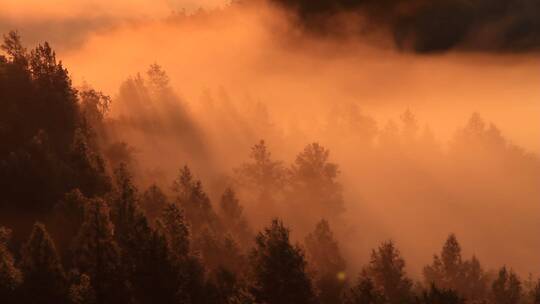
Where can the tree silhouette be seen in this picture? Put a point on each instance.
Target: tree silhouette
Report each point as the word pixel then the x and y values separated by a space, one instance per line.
pixel 449 271
pixel 233 218
pixel 506 288
pixel 364 292
pixel 440 296
pixel 325 257
pixel 44 277
pixel 194 201
pixel 96 253
pixel 387 268
pixel 279 269
pixel 10 275
pixel 313 185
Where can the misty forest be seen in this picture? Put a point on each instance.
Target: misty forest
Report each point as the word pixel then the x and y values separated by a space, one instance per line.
pixel 271 152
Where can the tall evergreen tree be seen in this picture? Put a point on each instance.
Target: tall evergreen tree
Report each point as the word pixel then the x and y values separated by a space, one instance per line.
pixel 387 268
pixel 96 253
pixel 194 201
pixel 10 275
pixel 536 293
pixel 279 269
pixel 506 288
pixel 450 271
pixel 364 292
pixel 233 218
pixel 314 185
pixel 153 201
pixel 44 277
pixel 81 291
pixel 440 296
pixel 189 273
pixel 325 257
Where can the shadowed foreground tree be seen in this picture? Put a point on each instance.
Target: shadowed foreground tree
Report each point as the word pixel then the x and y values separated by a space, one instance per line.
pixel 506 288
pixel 440 296
pixel 194 201
pixel 449 271
pixel 10 276
pixel 46 143
pixel 96 253
pixel 278 269
pixel 44 277
pixel 325 257
pixel 153 201
pixel 387 268
pixel 314 184
pixel 233 218
pixel 363 292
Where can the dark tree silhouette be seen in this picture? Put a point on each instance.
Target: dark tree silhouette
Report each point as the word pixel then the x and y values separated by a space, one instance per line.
pixel 10 275
pixel 96 253
pixel 233 218
pixel 363 292
pixel 387 268
pixel 440 296
pixel 153 201
pixel 506 288
pixel 194 201
pixel 44 277
pixel 449 271
pixel 279 269
pixel 325 257
pixel 314 186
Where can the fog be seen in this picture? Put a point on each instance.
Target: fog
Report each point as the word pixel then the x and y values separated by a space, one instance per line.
pixel 245 73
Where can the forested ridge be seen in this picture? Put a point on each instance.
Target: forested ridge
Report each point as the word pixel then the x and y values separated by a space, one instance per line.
pixel 76 228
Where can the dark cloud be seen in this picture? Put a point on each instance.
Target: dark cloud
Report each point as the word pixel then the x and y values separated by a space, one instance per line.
pixel 428 26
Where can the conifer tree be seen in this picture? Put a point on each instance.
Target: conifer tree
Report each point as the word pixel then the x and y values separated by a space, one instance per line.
pixel 96 253
pixel 363 292
pixel 387 268
pixel 278 269
pixel 506 288
pixel 536 293
pixel 194 201
pixel 314 185
pixel 233 218
pixel 325 257
pixel 153 201
pixel 81 291
pixel 441 296
pixel 44 277
pixel 10 276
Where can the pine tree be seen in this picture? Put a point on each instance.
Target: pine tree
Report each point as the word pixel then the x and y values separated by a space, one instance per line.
pixel 325 256
pixel 96 253
pixel 536 293
pixel 44 277
pixel 195 203
pixel 279 269
pixel 10 275
pixel 314 186
pixel 506 289
pixel 153 201
pixel 233 218
pixel 444 271
pixel 450 271
pixel 364 292
pixel 81 291
pixel 189 273
pixel 387 268
pixel 441 296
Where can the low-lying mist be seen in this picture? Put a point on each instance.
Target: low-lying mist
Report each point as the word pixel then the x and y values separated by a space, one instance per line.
pixel 425 145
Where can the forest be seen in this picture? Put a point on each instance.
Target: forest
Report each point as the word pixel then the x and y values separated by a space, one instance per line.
pixel 138 198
